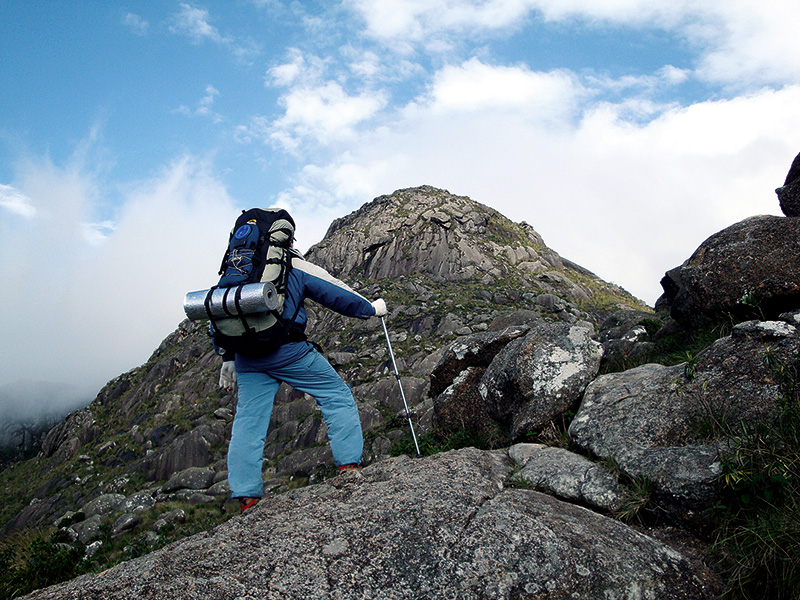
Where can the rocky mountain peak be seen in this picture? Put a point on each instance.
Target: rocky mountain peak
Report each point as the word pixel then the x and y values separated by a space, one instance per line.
pixel 433 232
pixel 455 244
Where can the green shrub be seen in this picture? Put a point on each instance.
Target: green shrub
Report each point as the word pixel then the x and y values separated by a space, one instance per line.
pixel 758 536
pixel 37 559
pixel 437 441
pixel 761 553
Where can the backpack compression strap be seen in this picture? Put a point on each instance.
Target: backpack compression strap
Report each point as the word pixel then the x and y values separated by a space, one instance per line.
pixel 236 301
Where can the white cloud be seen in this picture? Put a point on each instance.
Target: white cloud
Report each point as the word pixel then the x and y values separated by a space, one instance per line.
pixel 257 129
pixel 751 41
pixel 475 86
pixel 319 105
pixel 300 69
pixel 417 19
pixel 632 12
pixel 136 24
pixel 388 19
pixel 94 299
pixel 204 106
pixel 736 40
pixel 638 87
pixel 366 65
pixel 193 22
pixel 323 113
pixel 97 233
pixel 15 201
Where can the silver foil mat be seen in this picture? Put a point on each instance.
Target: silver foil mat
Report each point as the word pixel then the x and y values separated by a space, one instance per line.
pixel 254 298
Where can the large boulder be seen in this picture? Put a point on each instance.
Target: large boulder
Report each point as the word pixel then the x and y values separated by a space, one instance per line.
pixel 87 530
pixel 477 350
pixel 457 404
pixel 193 478
pixel 659 422
pixel 750 268
pixel 103 505
pixel 789 192
pixel 461 408
pixel 138 502
pixel 568 476
pixel 741 378
pixel 535 379
pixel 440 527
pixel 643 419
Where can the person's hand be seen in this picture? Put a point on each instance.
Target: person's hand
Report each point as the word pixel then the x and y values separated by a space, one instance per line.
pixel 380 307
pixel 227 375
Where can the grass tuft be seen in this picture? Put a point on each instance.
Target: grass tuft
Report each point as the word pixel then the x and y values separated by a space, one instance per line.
pixel 757 543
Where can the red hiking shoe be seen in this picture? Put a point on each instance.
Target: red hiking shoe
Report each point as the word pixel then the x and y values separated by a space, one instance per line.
pixel 246 503
pixel 351 468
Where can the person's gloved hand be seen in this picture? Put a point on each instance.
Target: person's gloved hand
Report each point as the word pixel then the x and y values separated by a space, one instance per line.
pixel 380 307
pixel 227 375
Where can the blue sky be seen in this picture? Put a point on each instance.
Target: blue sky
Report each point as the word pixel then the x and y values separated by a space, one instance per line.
pixel 131 133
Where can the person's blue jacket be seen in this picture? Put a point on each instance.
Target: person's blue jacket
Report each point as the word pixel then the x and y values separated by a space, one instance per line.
pixel 306 280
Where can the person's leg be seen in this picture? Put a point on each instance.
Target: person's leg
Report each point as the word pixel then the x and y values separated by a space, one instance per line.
pixel 256 394
pixel 314 375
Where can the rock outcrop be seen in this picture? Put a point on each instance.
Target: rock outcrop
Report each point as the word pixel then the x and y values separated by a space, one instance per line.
pixel 428 231
pixel 446 238
pixel 750 269
pixel 537 378
pixel 446 526
pixel 789 192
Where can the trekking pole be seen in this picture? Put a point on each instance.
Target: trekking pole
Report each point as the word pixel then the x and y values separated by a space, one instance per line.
pixel 402 394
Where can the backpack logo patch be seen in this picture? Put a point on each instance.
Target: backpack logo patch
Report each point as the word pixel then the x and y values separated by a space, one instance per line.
pixel 243 232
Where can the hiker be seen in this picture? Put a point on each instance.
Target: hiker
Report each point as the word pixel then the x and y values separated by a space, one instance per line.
pixel 296 362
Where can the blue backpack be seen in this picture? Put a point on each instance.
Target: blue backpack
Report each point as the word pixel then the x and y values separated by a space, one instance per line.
pixel 258 251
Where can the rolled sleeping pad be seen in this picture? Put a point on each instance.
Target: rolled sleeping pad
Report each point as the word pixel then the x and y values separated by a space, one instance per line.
pixel 252 298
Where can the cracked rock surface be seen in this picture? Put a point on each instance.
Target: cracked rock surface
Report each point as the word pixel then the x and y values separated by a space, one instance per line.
pixel 445 526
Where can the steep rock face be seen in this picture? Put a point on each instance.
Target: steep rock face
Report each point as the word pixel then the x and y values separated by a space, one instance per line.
pixel 444 526
pixel 418 230
pixel 750 268
pixel 63 440
pixel 447 238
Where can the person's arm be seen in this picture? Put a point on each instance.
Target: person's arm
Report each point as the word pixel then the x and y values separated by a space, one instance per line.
pixel 324 288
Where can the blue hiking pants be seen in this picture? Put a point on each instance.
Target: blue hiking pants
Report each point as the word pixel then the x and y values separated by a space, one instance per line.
pixel 311 374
